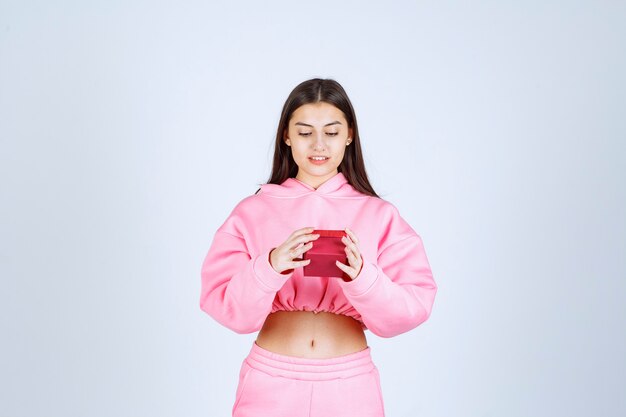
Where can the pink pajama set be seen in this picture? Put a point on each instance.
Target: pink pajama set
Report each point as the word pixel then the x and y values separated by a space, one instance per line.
pixel 393 293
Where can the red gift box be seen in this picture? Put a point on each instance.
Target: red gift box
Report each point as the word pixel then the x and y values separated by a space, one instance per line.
pixel 326 249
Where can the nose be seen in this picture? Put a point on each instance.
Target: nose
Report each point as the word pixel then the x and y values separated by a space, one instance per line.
pixel 319 142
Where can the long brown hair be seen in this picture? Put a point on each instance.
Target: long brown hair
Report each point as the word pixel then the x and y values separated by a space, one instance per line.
pixel 314 91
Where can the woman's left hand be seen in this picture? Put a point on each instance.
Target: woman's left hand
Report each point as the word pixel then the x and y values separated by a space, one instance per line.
pixel 354 256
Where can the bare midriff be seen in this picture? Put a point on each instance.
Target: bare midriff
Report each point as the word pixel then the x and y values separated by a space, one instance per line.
pixel 311 335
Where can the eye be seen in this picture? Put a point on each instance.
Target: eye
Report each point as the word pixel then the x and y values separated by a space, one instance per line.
pixel 304 133
pixel 332 133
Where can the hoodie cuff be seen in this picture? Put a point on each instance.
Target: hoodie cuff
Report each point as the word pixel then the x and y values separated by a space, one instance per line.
pixel 267 275
pixel 363 282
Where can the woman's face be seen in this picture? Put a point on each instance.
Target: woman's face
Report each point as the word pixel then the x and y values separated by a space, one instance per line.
pixel 317 129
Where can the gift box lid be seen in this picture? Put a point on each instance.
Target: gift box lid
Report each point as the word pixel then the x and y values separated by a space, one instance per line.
pixel 329 233
pixel 329 242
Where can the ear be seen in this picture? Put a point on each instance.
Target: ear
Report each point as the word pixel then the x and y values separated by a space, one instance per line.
pixel 286 138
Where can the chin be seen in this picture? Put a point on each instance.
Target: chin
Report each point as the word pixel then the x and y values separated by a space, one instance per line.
pixel 325 171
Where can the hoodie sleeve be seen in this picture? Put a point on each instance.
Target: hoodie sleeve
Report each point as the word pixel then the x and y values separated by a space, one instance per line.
pixel 395 293
pixel 238 289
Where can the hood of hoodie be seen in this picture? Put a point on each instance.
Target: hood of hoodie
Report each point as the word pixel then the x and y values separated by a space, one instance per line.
pixel 336 186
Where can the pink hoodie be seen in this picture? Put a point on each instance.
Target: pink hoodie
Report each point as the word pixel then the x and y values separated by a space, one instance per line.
pixel 393 293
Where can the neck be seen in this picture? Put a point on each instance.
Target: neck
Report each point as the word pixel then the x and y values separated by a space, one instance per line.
pixel 315 181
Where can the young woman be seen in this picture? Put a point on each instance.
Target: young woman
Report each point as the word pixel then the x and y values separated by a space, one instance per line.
pixel 311 356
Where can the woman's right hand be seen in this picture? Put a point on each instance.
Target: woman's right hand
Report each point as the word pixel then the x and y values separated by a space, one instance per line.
pixel 281 257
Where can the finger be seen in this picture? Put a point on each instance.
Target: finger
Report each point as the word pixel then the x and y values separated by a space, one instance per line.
pixel 295 252
pixel 356 262
pixel 299 251
pixel 351 257
pixel 302 231
pixel 352 235
pixel 345 268
pixel 291 253
pixel 349 244
pixel 303 239
pixel 341 266
pixel 292 245
pixel 298 264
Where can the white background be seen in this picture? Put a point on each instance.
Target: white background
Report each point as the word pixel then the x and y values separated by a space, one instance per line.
pixel 130 129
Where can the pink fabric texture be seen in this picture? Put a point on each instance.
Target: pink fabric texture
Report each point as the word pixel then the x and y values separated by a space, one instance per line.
pixel 275 385
pixel 393 293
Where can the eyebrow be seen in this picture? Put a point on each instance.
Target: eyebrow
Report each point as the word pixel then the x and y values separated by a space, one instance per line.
pixel 336 122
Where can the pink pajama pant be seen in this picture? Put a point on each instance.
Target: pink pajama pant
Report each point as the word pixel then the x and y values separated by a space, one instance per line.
pixel 273 385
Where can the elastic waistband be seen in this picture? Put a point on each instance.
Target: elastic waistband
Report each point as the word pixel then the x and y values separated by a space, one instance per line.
pixel 312 369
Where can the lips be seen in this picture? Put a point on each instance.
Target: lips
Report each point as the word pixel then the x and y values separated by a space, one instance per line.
pixel 319 161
